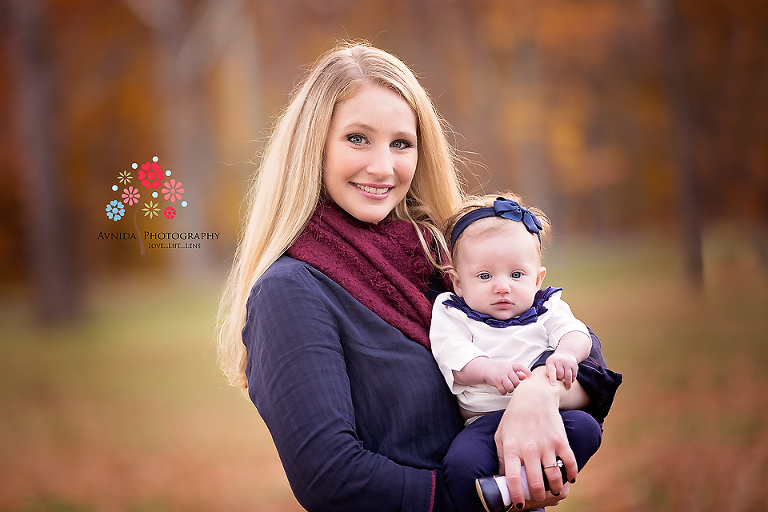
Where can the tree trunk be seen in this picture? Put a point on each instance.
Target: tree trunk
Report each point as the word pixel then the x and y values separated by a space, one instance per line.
pixel 673 60
pixel 55 288
pixel 186 47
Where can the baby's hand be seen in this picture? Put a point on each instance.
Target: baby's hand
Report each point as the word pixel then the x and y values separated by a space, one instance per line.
pixel 562 365
pixel 505 376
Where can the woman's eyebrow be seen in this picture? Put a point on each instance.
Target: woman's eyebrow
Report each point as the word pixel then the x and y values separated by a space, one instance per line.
pixel 370 128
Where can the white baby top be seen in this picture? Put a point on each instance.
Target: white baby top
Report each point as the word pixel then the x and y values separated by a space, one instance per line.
pixel 457 339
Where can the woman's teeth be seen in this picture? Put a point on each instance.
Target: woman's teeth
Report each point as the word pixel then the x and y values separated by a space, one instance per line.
pixel 372 190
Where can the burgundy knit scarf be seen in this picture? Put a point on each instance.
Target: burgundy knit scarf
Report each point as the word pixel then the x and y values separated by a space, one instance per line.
pixel 381 265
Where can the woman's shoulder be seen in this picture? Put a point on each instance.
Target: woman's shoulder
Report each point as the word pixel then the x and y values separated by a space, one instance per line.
pixel 291 279
pixel 285 266
pixel 285 272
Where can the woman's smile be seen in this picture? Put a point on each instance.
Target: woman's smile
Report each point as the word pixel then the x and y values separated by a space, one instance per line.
pixel 374 190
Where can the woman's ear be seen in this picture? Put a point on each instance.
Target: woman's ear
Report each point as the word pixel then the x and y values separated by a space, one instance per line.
pixel 540 277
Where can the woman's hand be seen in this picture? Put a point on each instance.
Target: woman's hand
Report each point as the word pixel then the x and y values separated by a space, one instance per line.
pixel 550 500
pixel 531 433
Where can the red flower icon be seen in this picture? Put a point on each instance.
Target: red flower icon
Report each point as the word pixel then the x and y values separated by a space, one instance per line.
pixel 150 175
pixel 170 212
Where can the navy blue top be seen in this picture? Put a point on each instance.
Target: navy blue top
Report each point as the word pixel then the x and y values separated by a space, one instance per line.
pixel 360 414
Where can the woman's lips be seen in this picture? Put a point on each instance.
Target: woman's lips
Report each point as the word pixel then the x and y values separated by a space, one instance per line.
pixel 378 191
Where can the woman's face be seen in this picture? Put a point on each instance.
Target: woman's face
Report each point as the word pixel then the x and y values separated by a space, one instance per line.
pixel 370 153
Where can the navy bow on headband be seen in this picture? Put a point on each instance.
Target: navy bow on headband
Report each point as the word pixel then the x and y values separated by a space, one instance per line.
pixel 502 207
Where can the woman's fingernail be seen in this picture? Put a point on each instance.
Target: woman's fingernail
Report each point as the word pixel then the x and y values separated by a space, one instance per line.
pixel 520 506
pixel 555 494
pixel 573 481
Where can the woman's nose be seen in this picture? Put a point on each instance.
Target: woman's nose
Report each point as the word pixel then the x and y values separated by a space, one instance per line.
pixel 381 164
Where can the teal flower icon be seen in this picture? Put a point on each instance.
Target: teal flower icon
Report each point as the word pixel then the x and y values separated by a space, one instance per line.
pixel 115 210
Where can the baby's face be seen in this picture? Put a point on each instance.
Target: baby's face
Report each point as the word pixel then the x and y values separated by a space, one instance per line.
pixel 497 271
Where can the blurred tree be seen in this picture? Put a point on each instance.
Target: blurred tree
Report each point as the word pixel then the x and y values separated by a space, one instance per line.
pixel 189 38
pixel 672 33
pixel 55 281
pixel 582 106
pixel 518 52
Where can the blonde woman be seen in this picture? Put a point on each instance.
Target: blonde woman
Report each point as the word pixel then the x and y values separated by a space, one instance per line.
pixel 327 310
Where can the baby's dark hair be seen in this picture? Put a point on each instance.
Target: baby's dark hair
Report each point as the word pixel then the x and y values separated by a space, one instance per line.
pixel 474 202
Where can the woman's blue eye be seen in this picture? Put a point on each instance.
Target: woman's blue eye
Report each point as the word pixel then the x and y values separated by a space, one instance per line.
pixel 516 274
pixel 356 138
pixel 401 144
pixel 484 276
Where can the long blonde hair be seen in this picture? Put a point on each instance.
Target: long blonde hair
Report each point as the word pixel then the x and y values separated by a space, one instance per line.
pixel 288 183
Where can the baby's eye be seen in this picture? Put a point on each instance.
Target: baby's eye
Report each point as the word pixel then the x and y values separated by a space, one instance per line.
pixel 356 139
pixel 401 144
pixel 484 276
pixel 516 274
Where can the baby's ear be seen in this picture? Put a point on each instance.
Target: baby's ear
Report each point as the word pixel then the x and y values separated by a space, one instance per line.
pixel 455 280
pixel 540 277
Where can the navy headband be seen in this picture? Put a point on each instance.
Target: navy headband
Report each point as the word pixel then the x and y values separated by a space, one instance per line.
pixel 502 207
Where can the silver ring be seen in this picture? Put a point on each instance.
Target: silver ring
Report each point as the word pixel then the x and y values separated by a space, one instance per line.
pixel 557 464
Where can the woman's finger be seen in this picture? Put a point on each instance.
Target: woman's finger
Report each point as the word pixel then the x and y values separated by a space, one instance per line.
pixel 555 474
pixel 514 481
pixel 532 460
pixel 569 463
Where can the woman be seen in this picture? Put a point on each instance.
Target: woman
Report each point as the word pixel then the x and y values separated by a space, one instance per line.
pixel 326 314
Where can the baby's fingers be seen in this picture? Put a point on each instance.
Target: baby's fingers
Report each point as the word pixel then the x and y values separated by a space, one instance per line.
pixel 521 370
pixel 568 377
pixel 510 383
pixel 552 372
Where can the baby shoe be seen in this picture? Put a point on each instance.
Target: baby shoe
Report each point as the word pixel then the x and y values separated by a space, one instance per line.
pixel 490 492
pixel 494 493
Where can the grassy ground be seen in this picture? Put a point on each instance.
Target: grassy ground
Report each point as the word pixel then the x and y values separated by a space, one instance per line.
pixel 125 411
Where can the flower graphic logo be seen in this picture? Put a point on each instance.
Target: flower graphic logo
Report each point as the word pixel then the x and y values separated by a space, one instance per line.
pixel 124 177
pixel 151 209
pixel 115 210
pixel 131 196
pixel 173 191
pixel 151 177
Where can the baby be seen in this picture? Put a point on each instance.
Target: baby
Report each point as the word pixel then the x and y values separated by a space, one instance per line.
pixel 487 334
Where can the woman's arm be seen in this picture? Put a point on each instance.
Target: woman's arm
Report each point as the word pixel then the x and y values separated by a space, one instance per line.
pixel 298 380
pixel 531 432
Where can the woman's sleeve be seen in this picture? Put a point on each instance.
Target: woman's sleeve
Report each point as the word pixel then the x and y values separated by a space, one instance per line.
pixel 297 379
pixel 598 381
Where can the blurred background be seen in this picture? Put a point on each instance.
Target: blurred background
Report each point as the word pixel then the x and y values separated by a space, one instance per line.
pixel 640 127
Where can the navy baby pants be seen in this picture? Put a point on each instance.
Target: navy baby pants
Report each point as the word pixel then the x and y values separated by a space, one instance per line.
pixel 473 453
